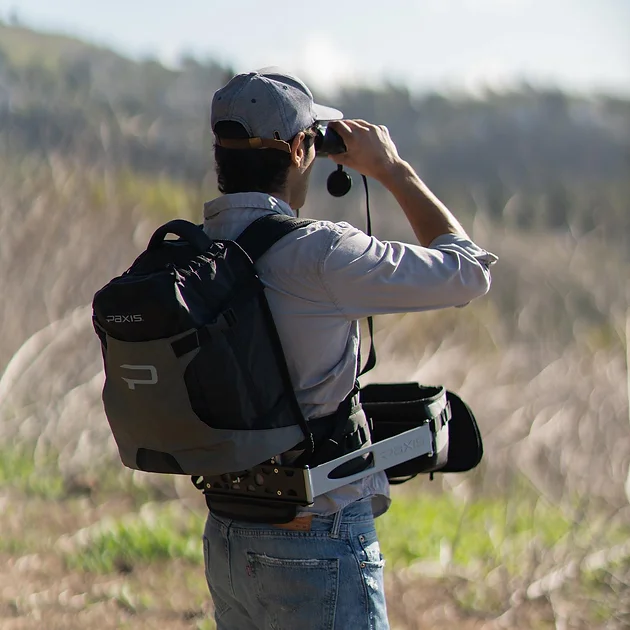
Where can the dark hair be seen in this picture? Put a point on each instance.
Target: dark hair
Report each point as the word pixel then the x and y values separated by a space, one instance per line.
pixel 250 170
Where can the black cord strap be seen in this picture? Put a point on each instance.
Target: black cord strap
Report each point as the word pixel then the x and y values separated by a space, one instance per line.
pixel 371 360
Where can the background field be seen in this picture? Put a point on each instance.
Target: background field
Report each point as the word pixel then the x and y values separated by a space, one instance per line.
pixel 96 150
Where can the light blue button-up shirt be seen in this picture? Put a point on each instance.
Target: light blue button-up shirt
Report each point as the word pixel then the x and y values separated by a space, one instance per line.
pixel 324 277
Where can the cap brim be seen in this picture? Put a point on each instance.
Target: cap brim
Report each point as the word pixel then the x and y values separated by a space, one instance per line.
pixel 326 113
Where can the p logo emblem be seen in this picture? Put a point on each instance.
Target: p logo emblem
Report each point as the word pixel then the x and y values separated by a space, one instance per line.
pixel 149 369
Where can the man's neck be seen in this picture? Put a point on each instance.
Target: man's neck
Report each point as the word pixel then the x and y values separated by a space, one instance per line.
pixel 282 196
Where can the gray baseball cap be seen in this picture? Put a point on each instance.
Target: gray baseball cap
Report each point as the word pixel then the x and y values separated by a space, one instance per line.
pixel 272 106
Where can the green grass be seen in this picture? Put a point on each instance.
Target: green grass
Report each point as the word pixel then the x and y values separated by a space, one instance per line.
pixel 158 196
pixel 13 546
pixel 40 477
pixel 166 533
pixel 486 532
pixel 19 469
pixel 500 545
pixel 488 541
pixel 603 588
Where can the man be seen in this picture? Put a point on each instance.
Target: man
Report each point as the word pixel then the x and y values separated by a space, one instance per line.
pixel 323 570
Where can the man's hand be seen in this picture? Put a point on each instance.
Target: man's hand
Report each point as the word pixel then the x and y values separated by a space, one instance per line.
pixel 370 150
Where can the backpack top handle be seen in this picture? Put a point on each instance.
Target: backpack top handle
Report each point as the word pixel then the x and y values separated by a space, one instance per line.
pixel 186 230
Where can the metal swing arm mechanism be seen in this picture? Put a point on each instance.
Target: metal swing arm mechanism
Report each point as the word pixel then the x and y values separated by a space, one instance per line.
pixel 272 482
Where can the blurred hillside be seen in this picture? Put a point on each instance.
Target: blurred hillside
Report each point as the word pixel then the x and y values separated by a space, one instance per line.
pixel 97 149
pixel 560 161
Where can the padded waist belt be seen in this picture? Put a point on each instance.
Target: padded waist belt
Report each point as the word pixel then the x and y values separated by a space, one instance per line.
pixel 334 435
pixel 338 434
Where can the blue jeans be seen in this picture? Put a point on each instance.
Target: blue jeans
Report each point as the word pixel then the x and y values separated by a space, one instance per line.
pixel 266 577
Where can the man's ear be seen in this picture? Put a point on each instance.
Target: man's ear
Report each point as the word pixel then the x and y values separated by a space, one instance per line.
pixel 297 149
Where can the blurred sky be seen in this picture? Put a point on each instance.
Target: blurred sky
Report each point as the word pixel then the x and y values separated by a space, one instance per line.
pixel 581 45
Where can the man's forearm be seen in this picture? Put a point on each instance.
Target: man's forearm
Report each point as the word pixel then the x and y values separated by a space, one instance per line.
pixel 427 215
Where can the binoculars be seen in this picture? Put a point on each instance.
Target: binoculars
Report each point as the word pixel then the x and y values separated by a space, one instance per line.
pixel 328 141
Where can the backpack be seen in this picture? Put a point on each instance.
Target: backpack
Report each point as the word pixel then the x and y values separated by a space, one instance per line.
pixel 196 382
pixel 195 377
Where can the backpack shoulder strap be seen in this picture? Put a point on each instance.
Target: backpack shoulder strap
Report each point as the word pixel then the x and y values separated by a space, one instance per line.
pixel 262 233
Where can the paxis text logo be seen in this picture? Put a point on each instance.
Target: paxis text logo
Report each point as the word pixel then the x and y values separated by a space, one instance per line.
pixel 124 319
pixel 409 446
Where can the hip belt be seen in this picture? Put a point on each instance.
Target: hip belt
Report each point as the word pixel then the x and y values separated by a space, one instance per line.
pixel 412 429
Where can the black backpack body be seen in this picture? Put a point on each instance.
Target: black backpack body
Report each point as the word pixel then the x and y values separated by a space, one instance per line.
pixel 196 381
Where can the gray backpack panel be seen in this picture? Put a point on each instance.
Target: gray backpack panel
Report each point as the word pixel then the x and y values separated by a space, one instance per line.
pixel 149 411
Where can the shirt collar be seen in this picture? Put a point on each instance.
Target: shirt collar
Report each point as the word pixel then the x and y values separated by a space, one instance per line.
pixel 248 200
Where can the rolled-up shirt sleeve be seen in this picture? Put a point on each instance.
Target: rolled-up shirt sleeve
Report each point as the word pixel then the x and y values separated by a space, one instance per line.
pixel 365 276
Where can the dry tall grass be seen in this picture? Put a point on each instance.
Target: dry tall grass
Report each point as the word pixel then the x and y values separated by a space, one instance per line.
pixel 542 360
